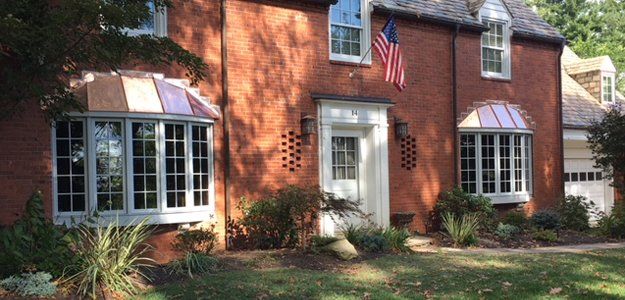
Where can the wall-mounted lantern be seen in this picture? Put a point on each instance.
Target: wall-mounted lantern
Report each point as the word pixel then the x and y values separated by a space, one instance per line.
pixel 401 128
pixel 309 124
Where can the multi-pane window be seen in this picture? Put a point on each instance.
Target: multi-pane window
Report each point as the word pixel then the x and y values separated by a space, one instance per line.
pixel 132 165
pixel 109 151
pixel 144 165
pixel 582 176
pixel 468 164
pixel 70 166
pixel 504 163
pixel 201 172
pixel 344 161
pixel 155 25
pixel 487 148
pixel 175 165
pixel 346 28
pixel 607 89
pixel 494 47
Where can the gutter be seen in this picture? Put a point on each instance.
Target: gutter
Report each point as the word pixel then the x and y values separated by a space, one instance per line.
pixel 225 107
pixel 445 22
pixel 560 118
pixel 454 101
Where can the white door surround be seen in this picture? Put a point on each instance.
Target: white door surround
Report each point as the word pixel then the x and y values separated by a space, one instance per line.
pixel 367 121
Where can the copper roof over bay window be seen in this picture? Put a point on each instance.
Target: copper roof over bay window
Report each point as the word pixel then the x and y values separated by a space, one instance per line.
pixel 495 115
pixel 141 92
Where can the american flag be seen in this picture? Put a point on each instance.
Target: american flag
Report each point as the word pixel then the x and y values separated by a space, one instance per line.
pixel 387 46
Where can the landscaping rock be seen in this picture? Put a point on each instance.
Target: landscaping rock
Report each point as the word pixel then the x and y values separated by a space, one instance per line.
pixel 342 249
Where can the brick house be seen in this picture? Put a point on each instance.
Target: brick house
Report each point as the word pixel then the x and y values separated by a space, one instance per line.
pixel 482 110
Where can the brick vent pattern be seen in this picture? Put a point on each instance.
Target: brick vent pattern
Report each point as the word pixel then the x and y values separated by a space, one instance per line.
pixel 291 147
pixel 409 153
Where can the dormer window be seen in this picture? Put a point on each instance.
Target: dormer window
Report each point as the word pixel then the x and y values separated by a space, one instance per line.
pixel 496 41
pixel 349 31
pixel 607 88
pixel 156 26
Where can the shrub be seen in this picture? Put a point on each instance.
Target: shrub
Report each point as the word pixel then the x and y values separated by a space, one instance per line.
pixel 460 203
pixel 354 233
pixel 286 218
pixel 546 235
pixel 396 238
pixel 202 240
pixel 516 218
pixel 34 243
pixel 193 263
pixel 613 225
pixel 546 219
pixel 375 243
pixel 30 285
pixel 108 257
pixel 506 231
pixel 575 212
pixel 461 229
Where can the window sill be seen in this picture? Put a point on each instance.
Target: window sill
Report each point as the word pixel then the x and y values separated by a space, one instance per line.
pixel 205 214
pixel 364 64
pixel 507 199
pixel 496 78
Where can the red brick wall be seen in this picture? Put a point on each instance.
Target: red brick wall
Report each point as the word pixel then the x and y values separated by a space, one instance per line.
pixel 25 162
pixel 534 87
pixel 278 56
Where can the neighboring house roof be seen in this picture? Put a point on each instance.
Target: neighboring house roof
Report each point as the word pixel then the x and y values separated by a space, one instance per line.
pixel 600 63
pixel 580 107
pixel 525 22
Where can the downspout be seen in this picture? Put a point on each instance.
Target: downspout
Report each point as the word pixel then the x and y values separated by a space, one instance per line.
pixel 226 110
pixel 560 120
pixel 454 100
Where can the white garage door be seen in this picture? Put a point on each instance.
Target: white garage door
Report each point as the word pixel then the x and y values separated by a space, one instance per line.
pixel 581 178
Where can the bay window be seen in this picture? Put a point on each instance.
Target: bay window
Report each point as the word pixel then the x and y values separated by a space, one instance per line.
pixel 130 166
pixel 497 165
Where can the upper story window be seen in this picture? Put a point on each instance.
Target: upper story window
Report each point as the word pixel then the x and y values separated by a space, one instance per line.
pixel 496 41
pixel 607 88
pixel 496 50
pixel 157 25
pixel 350 31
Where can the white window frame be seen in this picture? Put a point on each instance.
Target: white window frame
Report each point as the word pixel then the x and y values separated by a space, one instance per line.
pixel 365 37
pixel 160 25
pixel 161 215
pixel 612 88
pixel 513 196
pixel 505 63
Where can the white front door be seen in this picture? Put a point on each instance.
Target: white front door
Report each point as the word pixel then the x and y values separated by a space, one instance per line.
pixel 347 166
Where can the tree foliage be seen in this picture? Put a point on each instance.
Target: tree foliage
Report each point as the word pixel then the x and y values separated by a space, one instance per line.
pixel 593 28
pixel 44 43
pixel 606 138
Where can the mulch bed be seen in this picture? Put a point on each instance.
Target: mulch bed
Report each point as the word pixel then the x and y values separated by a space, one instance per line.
pixel 525 240
pixel 268 259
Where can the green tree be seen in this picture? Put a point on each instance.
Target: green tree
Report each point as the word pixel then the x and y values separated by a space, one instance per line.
pixel 44 43
pixel 606 138
pixel 593 28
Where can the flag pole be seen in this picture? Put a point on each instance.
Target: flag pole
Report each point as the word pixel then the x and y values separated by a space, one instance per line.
pixel 353 72
pixel 357 67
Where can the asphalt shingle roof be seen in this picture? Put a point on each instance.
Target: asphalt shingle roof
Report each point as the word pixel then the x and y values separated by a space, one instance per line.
pixel 525 22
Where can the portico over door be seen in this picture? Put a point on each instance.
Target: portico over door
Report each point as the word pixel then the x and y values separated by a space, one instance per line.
pixel 353 141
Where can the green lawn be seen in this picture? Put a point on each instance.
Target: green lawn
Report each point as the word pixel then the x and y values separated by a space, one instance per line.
pixel 595 275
